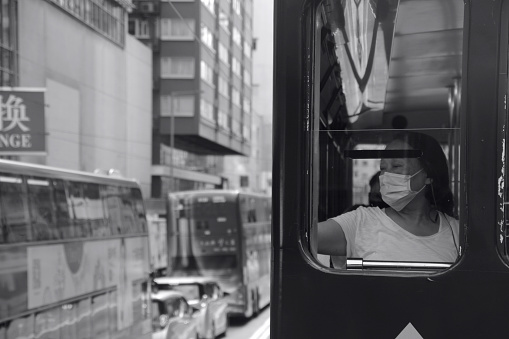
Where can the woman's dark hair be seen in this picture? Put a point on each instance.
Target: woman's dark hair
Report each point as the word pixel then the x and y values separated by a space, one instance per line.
pixel 434 163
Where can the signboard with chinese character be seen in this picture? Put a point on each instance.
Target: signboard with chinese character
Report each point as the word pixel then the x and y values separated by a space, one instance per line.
pixel 22 124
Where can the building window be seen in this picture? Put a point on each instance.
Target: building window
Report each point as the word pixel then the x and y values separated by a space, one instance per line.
pixel 105 16
pixel 210 4
pixel 177 29
pixel 177 67
pixel 224 21
pixel 236 6
pixel 183 105
pixel 207 37
pixel 222 119
pixel 236 129
pixel 247 49
pixel 139 28
pixel 247 105
pixel 9 43
pixel 247 77
pixel 207 74
pixel 236 97
pixel 223 87
pixel 236 37
pixel 206 110
pixel 224 55
pixel 236 66
pixel 245 131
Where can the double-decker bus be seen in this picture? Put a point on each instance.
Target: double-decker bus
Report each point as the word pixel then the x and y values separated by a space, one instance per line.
pixel 73 255
pixel 351 75
pixel 226 235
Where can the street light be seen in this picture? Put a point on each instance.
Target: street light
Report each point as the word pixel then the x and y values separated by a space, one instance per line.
pixel 173 96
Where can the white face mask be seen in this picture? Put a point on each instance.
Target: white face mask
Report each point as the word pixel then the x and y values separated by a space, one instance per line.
pixel 396 191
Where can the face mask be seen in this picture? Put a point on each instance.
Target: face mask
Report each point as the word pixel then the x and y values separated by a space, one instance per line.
pixel 396 191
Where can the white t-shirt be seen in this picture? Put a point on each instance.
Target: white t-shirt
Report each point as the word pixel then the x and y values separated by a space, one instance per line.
pixel 371 234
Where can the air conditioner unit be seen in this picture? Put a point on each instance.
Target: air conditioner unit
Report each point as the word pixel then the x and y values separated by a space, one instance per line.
pixel 147 7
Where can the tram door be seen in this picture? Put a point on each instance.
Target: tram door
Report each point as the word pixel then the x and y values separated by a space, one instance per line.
pixel 401 127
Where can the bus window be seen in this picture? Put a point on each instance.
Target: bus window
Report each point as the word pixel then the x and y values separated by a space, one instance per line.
pixel 100 326
pixel 42 209
pixel 15 217
pixel 95 211
pixel 62 209
pixel 129 220
pixel 79 209
pixel 139 209
pixel 112 201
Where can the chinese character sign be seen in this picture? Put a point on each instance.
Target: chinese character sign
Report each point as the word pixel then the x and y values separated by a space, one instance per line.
pixel 22 125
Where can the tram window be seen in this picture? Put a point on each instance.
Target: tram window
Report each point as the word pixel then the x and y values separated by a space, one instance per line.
pixel 15 215
pixel 62 209
pixel 384 80
pixel 68 321
pixel 42 209
pixel 113 311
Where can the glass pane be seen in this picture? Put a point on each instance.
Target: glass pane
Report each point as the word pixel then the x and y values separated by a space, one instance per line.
pixel 83 325
pixel 15 217
pixel 42 209
pixel 47 324
pixel 21 328
pixel 95 211
pixel 63 208
pixel 79 209
pixel 388 84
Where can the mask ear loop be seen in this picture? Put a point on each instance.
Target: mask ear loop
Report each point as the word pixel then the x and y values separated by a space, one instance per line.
pixel 445 216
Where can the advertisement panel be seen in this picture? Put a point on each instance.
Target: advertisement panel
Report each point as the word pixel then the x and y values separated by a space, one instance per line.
pixel 62 271
pixel 22 121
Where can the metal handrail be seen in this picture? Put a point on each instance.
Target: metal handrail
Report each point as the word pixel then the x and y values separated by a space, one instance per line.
pixel 361 264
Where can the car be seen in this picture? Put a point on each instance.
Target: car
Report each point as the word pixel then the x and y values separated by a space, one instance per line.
pixel 173 317
pixel 205 295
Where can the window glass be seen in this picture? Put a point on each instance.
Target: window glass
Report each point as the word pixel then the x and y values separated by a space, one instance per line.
pixel 173 308
pixel 129 218
pixel 139 208
pixel 112 302
pixel 113 202
pixel 95 211
pixel 42 209
pixel 381 107
pixel 63 208
pixel 15 217
pixel 79 209
pixel 177 28
pixel 177 67
pixel 190 291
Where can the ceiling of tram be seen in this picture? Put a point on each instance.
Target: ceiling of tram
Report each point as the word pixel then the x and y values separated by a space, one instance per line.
pixel 425 56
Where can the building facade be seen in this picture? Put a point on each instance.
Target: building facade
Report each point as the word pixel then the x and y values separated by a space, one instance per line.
pixel 96 79
pixel 202 55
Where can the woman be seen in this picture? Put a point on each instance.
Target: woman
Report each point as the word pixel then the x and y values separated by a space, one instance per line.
pixel 418 224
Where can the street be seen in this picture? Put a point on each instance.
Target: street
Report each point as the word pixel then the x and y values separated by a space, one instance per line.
pixel 254 328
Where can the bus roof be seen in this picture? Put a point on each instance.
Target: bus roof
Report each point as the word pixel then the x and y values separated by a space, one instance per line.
pixel 17 167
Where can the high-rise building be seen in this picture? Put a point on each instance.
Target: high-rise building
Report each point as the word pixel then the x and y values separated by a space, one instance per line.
pixel 202 89
pixel 95 80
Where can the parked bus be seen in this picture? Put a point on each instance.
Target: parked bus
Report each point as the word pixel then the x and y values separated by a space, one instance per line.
pixel 73 255
pixel 225 235
pixel 350 75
